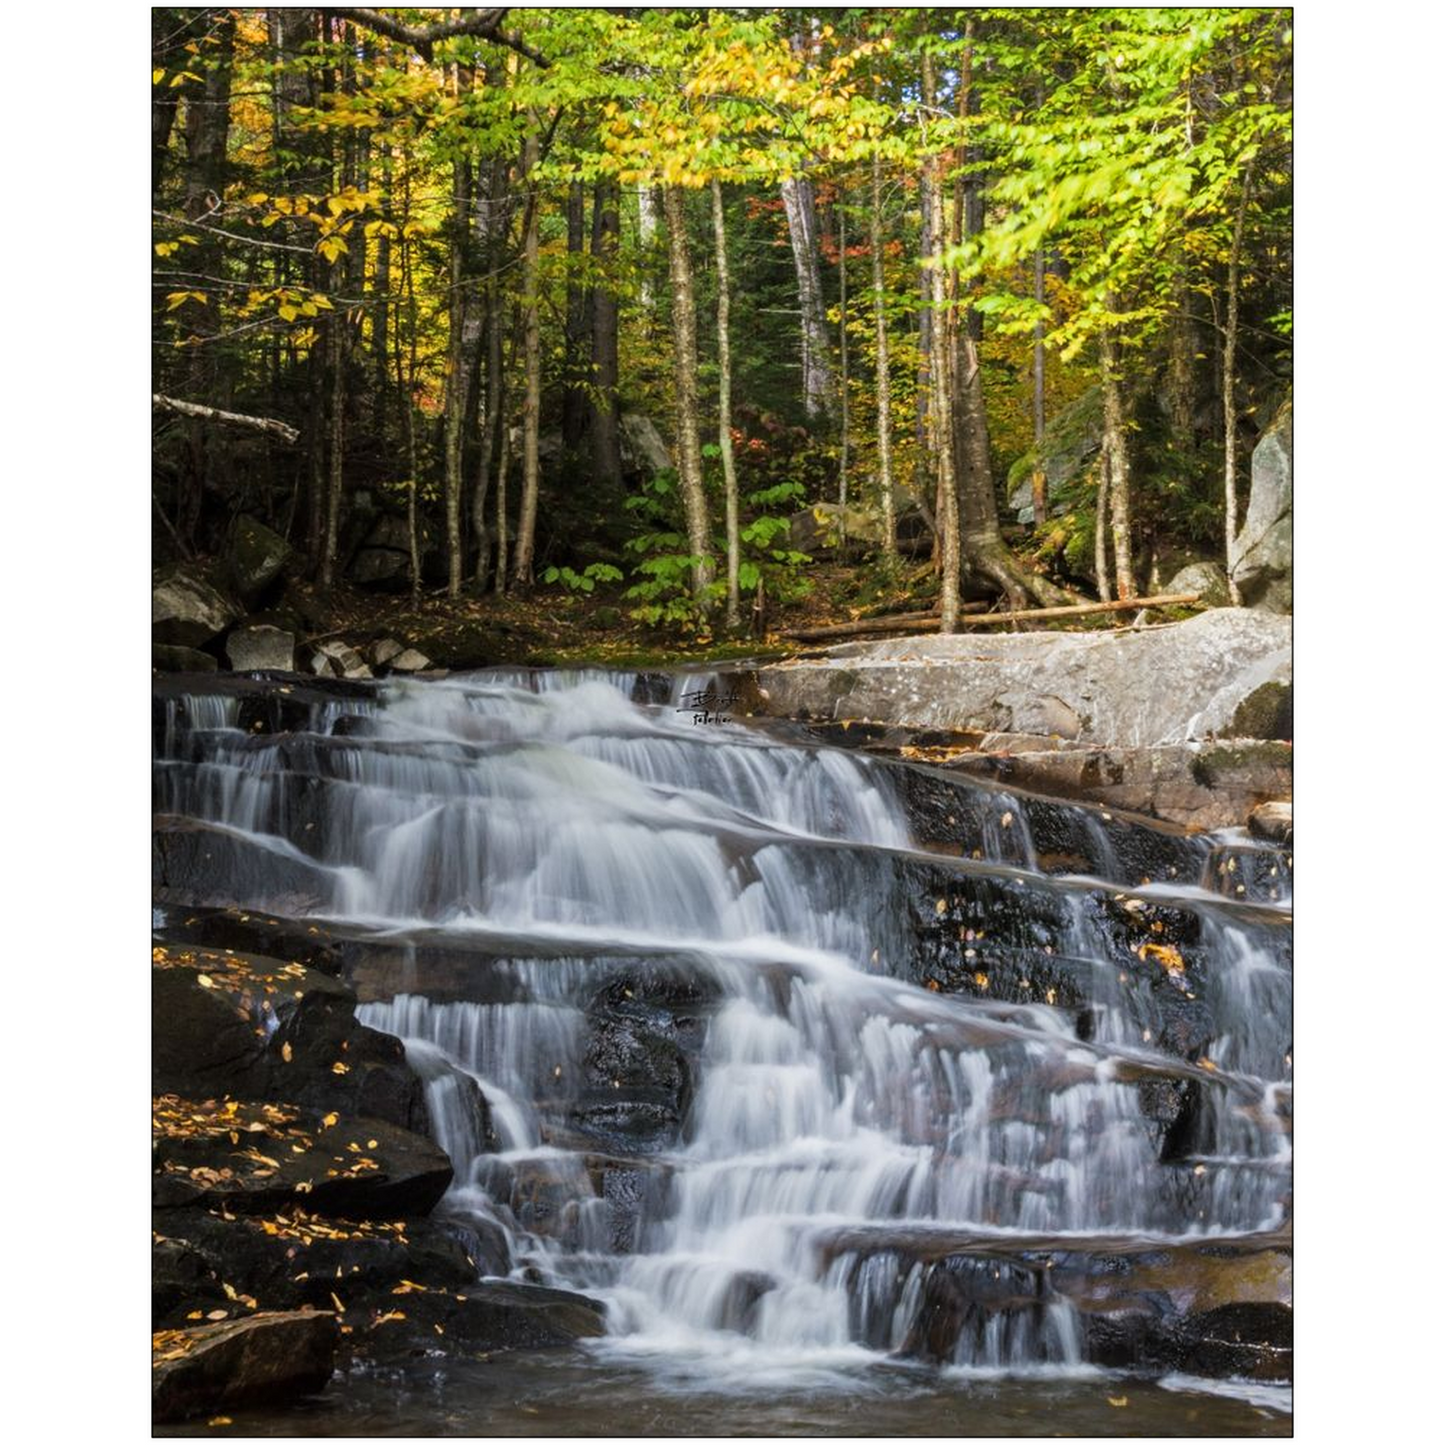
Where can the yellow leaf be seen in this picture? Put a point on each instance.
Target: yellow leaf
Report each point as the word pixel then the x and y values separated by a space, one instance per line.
pixel 219 1420
pixel 1117 1401
pixel 205 981
pixel 217 1315
pixel 339 1068
pixel 158 75
pixel 329 1121
pixel 286 1052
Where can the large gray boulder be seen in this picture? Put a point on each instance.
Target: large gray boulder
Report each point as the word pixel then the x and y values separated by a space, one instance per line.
pixel 261 649
pixel 187 610
pixel 1137 688
pixel 255 556
pixel 643 449
pixel 1071 441
pixel 1263 564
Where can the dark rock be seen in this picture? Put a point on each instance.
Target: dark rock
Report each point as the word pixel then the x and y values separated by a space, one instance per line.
pixel 637 1080
pixel 192 862
pixel 261 649
pixel 181 659
pixel 255 557
pixel 187 610
pixel 261 1028
pixel 484 1318
pixel 350 1169
pixel 271 1357
pixel 298 1260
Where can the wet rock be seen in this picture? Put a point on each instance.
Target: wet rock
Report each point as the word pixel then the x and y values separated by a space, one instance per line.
pixel 481 1319
pixel 1274 822
pixel 1134 688
pixel 297 1259
pixel 256 1027
pixel 637 1079
pixel 194 863
pixel 254 557
pixel 349 1169
pixel 235 1363
pixel 1263 564
pixel 187 610
pixel 261 649
pixel 181 659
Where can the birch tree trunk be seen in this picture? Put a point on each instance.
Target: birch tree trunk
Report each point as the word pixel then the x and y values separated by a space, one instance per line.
pixel 522 555
pixel 882 391
pixel 725 408
pixel 1116 454
pixel 684 361
pixel 802 213
pixel 1231 409
pixel 940 400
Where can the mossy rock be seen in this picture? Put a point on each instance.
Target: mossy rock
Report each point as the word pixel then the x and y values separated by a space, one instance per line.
pixel 1268 712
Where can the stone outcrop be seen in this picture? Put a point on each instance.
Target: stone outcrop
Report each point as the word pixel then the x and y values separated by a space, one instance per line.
pixel 1148 687
pixel 1263 564
pixel 261 649
pixel 187 609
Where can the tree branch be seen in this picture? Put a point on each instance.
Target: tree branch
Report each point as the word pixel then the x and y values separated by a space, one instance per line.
pixel 265 424
pixel 484 24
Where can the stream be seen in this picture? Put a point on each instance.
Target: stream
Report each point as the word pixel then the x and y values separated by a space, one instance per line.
pixel 866 1097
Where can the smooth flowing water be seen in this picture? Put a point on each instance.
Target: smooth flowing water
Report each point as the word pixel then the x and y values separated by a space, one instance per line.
pixel 692 970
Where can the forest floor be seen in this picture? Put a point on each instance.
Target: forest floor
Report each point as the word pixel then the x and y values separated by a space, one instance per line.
pixel 552 627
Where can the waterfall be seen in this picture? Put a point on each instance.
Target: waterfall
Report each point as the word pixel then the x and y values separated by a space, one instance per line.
pixel 673 989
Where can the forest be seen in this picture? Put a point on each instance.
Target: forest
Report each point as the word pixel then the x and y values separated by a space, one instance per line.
pixel 698 322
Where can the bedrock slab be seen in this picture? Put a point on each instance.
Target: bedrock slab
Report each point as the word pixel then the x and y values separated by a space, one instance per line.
pixel 1139 688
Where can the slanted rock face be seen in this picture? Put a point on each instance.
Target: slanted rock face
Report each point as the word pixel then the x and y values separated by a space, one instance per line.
pixel 261 649
pixel 255 556
pixel 1140 688
pixel 1264 550
pixel 643 449
pixel 241 1362
pixel 186 609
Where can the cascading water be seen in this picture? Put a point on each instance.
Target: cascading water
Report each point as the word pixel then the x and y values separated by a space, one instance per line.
pixel 666 983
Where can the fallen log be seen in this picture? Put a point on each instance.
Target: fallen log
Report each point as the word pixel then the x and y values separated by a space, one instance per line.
pixel 269 425
pixel 908 621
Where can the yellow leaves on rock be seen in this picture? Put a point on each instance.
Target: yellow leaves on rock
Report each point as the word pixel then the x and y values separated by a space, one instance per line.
pixel 1165 955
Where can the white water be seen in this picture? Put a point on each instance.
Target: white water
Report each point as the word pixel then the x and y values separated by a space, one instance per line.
pixel 838 1115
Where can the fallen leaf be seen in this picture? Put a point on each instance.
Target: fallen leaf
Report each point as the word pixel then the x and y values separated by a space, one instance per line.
pixel 286 1052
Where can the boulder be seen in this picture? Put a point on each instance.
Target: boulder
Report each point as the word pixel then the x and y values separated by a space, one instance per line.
pixel 409 660
pixel 642 446
pixel 1263 566
pixel 254 558
pixel 1141 687
pixel 253 1027
pixel 243 1362
pixel 187 610
pixel 1071 440
pixel 378 654
pixel 1273 822
pixel 261 649
pixel 1205 578
pixel 338 659
pixel 181 659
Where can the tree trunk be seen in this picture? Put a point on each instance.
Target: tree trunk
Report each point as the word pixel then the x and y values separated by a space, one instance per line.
pixel 940 407
pixel 842 376
pixel 647 241
pixel 881 389
pixel 1040 479
pixel 458 375
pixel 801 209
pixel 1116 452
pixel 335 455
pixel 603 418
pixel 1231 417
pixel 1101 534
pixel 725 409
pixel 576 331
pixel 684 362
pixel 522 556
